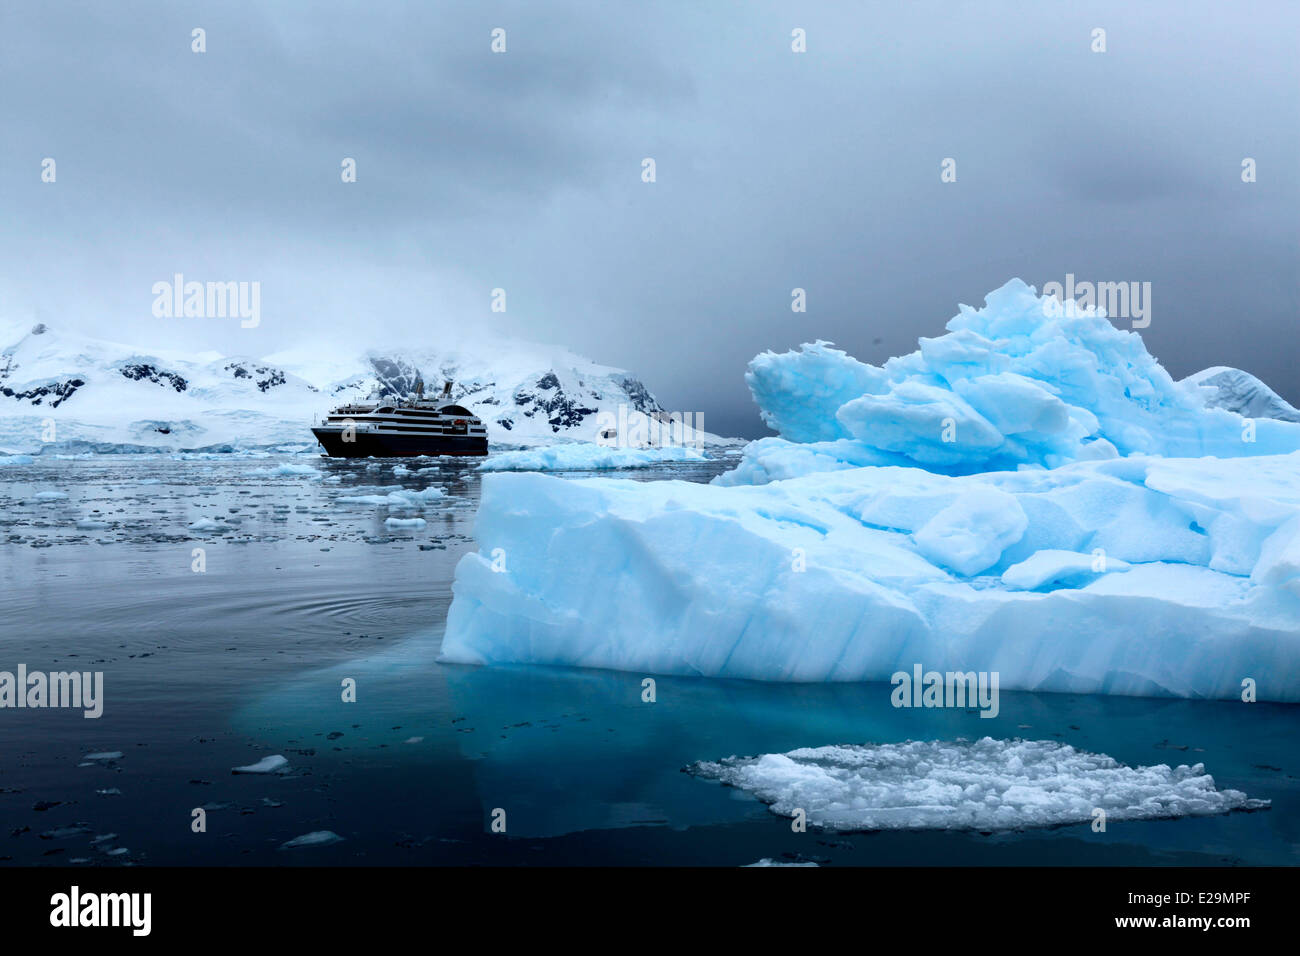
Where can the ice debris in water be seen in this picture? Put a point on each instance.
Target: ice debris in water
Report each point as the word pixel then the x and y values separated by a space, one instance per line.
pixel 413 524
pixel 315 838
pixel 768 861
pixel 272 764
pixel 586 456
pixel 286 470
pixel 959 785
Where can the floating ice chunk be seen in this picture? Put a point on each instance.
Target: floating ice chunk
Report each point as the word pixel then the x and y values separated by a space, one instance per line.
pixel 584 456
pixel 50 495
pixel 91 524
pixel 408 498
pixel 272 764
pixel 16 460
pixel 1053 566
pixel 768 861
pixel 207 524
pixel 413 524
pixel 959 785
pixel 400 498
pixel 105 755
pixel 286 470
pixel 362 499
pixel 315 838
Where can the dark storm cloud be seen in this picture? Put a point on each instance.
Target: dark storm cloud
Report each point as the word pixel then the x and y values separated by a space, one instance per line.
pixel 775 170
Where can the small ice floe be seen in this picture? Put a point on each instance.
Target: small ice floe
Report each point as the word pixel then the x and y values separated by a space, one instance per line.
pixel 959 785
pixel 284 471
pixel 272 764
pixel 399 498
pixel 413 740
pixel 315 838
pixel 103 756
pixel 768 861
pixel 412 523
pixel 206 524
pixel 400 470
pixel 409 498
pixel 16 460
pixel 62 833
pixel 109 792
pixel 90 524
pixel 50 496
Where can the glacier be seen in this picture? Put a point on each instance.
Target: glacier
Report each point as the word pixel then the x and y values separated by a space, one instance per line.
pixel 1028 494
pixel 985 785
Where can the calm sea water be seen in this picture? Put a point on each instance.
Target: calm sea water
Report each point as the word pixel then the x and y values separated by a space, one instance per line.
pixel 213 669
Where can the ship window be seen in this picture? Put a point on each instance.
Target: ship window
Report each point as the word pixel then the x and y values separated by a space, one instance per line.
pixel 386 410
pixel 455 410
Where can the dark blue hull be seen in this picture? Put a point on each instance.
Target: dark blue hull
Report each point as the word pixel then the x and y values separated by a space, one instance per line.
pixel 372 445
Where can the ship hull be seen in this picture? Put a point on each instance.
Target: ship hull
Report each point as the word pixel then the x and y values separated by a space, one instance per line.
pixel 372 445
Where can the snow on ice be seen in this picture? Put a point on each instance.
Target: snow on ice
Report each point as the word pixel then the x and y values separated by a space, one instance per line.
pixel 1074 534
pixel 959 785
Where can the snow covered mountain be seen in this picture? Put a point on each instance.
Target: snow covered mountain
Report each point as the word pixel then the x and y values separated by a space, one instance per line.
pixel 64 391
pixel 1243 393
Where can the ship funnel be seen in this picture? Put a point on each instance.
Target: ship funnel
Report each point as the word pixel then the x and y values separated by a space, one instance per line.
pixel 446 390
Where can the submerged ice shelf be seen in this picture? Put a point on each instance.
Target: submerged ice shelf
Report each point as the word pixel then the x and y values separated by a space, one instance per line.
pixel 959 785
pixel 1000 500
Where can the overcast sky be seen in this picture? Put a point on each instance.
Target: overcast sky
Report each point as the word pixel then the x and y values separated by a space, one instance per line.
pixel 775 170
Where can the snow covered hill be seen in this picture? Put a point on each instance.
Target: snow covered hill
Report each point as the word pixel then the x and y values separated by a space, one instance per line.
pixel 1243 393
pixel 64 391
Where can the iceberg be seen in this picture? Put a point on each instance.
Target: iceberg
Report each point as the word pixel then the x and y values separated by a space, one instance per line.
pixel 1011 385
pixel 1092 528
pixel 987 785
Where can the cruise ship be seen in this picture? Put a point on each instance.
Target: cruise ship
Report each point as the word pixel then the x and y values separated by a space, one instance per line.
pixel 402 429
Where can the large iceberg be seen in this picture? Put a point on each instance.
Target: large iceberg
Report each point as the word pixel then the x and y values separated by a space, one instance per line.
pixel 1056 540
pixel 1019 382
